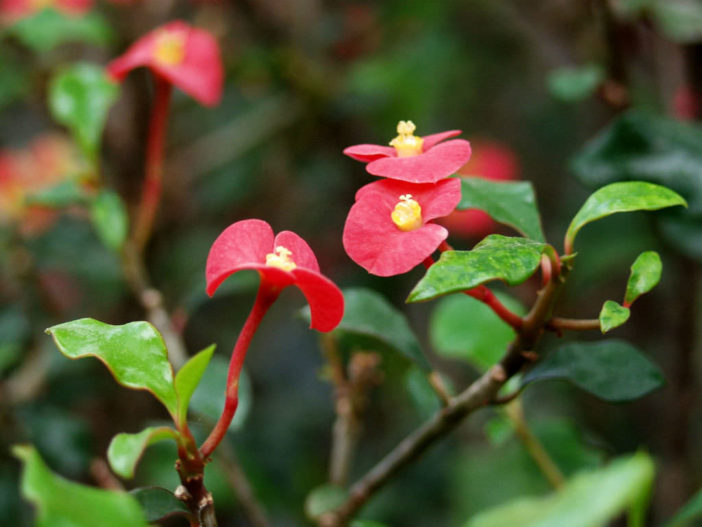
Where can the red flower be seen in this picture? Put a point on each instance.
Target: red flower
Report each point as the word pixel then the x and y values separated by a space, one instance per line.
pixel 186 57
pixel 280 260
pixel 492 161
pixel 16 9
pixel 414 159
pixel 388 229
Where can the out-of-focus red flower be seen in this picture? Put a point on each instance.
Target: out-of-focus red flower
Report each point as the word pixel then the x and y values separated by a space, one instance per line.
pixel 185 56
pixel 492 161
pixel 281 260
pixel 686 105
pixel 388 230
pixel 47 161
pixel 414 159
pixel 13 10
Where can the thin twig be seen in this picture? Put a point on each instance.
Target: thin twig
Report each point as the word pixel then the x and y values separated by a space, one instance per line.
pixel 573 324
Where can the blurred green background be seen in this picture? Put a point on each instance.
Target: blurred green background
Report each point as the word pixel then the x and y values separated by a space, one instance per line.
pixel 304 79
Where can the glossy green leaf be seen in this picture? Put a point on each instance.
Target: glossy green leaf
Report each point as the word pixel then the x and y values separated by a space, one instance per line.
pixel 158 503
pixel 208 399
pixel 590 499
pixel 324 498
pixel 62 503
pixel 187 379
pixel 512 203
pixel 464 328
pixel 62 195
pixel 125 450
pixel 49 28
pixel 612 370
pixel 511 260
pixel 369 314
pixel 689 513
pixel 80 97
pixel 678 20
pixel 134 353
pixel 110 219
pixel 613 315
pixel 573 84
pixel 645 274
pixel 628 196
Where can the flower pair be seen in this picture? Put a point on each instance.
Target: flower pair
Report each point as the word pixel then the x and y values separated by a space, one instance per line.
pixel 389 229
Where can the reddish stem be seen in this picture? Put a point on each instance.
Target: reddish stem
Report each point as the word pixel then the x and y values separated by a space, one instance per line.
pixel 266 296
pixel 151 193
pixel 485 295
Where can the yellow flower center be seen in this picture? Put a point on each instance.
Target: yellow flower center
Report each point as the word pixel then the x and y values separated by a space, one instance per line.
pixel 406 143
pixel 169 48
pixel 407 215
pixel 280 258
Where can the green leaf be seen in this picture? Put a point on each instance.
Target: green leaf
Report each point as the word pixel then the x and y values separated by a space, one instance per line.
pixel 110 219
pixel 511 260
pixel 62 503
pixel 612 370
pixel 464 328
pixel 589 499
pixel 645 274
pixel 324 498
pixel 49 28
pixel 187 379
pixel 59 196
pixel 421 393
pixel 125 450
pixel 208 399
pixel 679 20
pixel 369 314
pixel 626 196
pixel 612 316
pixel 573 84
pixel 80 97
pixel 134 353
pixel 366 523
pixel 498 430
pixel 692 510
pixel 512 203
pixel 158 503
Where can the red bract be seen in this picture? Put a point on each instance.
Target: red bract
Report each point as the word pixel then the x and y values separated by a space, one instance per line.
pixel 388 229
pixel 414 159
pixel 16 9
pixel 280 260
pixel 492 161
pixel 186 57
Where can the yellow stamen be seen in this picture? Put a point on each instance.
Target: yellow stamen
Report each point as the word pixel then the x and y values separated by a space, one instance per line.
pixel 407 215
pixel 406 143
pixel 280 258
pixel 169 48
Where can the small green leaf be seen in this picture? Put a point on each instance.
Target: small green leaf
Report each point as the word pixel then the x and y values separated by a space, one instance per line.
pixel 208 399
pixel 645 274
pixel 464 328
pixel 573 84
pixel 511 260
pixel 692 510
pixel 589 499
pixel 369 314
pixel 498 430
pixel 134 353
pixel 512 203
pixel 158 503
pixel 612 316
pixel 625 196
pixel 125 450
pixel 49 28
pixel 679 20
pixel 63 503
pixel 187 379
pixel 110 219
pixel 79 98
pixel 612 370
pixel 59 196
pixel 324 498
